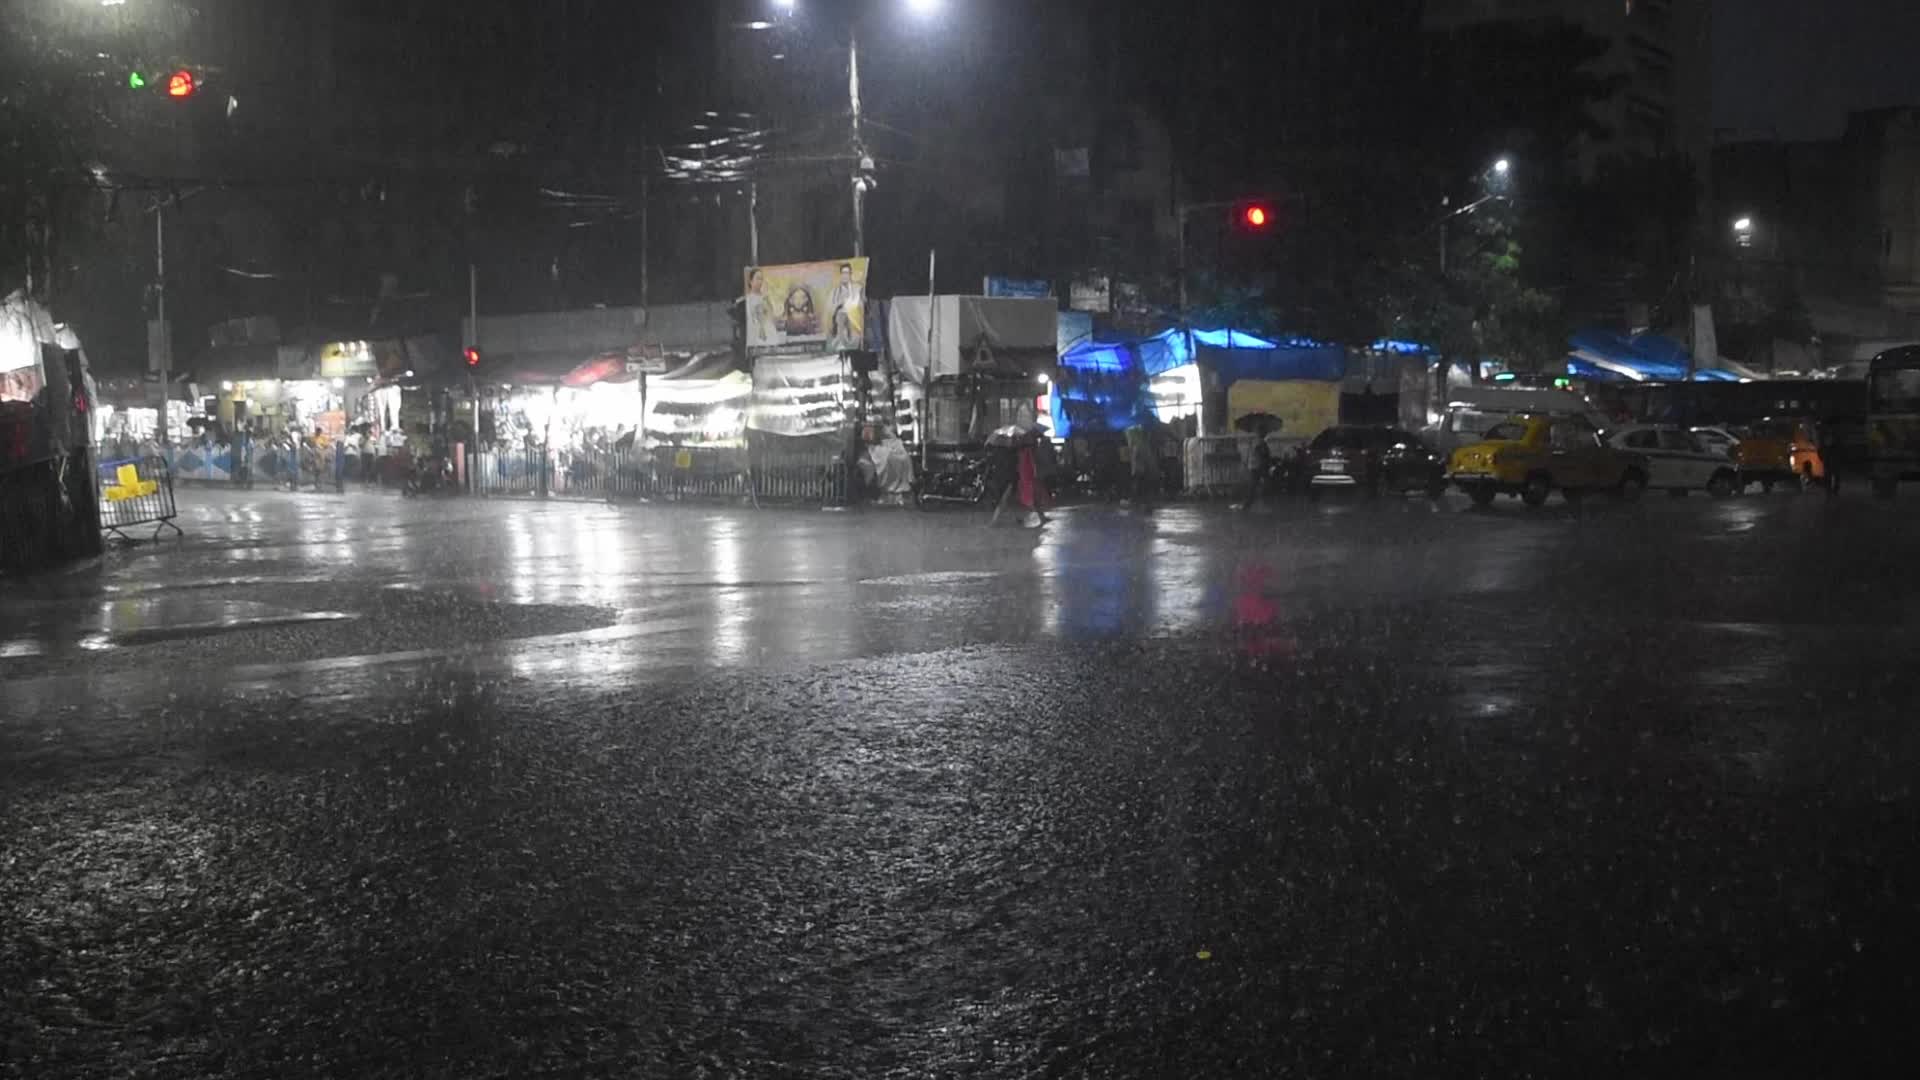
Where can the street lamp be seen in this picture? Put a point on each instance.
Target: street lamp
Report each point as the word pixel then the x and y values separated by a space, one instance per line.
pixel 1743 232
pixel 863 179
pixel 1498 181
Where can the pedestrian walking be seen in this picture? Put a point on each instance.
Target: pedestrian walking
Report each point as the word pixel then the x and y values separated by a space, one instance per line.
pixel 1026 485
pixel 1259 468
pixel 1143 466
pixel 350 464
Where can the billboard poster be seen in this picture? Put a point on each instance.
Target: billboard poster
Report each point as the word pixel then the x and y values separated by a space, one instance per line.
pixel 806 307
pixel 1093 294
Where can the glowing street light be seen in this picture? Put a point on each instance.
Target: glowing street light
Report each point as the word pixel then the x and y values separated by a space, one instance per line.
pixel 1503 167
pixel 863 178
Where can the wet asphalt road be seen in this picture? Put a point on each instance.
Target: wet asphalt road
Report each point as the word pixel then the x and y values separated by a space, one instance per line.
pixel 367 787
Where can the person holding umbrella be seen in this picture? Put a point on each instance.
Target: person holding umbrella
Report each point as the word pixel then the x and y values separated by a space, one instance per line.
pixel 1260 455
pixel 1017 470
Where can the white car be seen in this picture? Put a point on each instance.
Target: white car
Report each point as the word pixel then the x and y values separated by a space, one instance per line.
pixel 1678 460
pixel 1719 440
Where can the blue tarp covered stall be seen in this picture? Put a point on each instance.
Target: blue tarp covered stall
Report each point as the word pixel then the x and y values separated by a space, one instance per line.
pixel 1110 385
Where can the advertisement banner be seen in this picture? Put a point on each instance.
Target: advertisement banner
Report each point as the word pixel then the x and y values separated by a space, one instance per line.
pixel 1306 407
pixel 806 307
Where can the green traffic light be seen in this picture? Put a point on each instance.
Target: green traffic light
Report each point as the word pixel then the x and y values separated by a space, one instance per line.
pixel 136 81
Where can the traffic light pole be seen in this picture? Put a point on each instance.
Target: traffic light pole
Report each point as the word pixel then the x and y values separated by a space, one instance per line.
pixel 473 387
pixel 160 311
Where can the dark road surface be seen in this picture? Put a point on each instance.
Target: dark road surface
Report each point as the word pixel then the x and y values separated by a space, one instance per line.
pixel 364 787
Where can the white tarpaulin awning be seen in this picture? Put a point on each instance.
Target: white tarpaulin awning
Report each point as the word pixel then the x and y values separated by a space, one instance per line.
pixel 807 395
pixel 967 333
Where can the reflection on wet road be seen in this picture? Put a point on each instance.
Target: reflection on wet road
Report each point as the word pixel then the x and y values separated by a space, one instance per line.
pixel 363 787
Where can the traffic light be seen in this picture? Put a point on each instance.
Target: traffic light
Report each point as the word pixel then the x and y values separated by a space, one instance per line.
pixel 1256 216
pixel 472 357
pixel 181 84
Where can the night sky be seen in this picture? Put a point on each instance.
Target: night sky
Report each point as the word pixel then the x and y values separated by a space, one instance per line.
pixel 1798 66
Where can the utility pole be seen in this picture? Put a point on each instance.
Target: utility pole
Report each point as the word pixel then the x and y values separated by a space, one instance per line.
pixel 646 202
pixel 753 223
pixel 862 163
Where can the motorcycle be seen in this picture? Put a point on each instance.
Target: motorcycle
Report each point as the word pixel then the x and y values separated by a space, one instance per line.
pixel 968 482
pixel 431 475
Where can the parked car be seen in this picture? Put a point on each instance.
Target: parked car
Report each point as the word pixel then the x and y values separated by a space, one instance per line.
pixel 1534 456
pixel 1679 460
pixel 1371 459
pixel 1719 440
pixel 1781 452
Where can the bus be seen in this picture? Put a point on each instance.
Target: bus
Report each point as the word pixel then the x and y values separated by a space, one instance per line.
pixel 1893 419
pixel 1735 405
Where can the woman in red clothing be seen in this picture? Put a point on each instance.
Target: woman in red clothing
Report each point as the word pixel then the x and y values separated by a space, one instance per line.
pixel 1030 470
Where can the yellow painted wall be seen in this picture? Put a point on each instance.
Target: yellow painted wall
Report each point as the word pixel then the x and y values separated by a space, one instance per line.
pixel 1305 407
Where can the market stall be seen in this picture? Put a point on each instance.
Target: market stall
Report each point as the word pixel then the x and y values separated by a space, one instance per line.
pixel 49 509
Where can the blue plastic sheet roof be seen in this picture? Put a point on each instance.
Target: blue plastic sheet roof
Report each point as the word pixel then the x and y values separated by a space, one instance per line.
pixel 1604 354
pixel 1239 355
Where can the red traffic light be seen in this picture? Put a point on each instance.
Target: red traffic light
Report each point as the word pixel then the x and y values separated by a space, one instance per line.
pixel 181 84
pixel 1255 216
pixel 472 357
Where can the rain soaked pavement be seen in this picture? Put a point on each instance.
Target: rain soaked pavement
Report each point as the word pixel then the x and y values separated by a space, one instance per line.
pixel 368 787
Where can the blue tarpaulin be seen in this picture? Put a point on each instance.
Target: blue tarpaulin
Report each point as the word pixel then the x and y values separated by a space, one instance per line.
pixel 1596 353
pixel 1104 383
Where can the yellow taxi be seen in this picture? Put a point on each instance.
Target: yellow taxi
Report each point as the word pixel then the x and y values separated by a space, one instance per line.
pixel 1781 452
pixel 1535 456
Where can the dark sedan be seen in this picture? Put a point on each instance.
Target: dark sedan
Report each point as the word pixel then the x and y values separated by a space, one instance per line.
pixel 1373 460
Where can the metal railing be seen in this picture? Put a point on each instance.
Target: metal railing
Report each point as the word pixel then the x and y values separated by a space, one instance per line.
pixel 664 472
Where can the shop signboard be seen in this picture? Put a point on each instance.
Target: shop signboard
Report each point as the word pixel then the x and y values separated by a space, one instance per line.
pixel 347 360
pixel 806 307
pixel 1018 288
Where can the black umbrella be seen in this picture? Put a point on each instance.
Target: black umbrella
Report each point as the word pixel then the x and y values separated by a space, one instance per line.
pixel 1012 435
pixel 1261 424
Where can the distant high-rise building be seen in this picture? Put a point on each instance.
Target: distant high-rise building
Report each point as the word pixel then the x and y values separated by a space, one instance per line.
pixel 1659 51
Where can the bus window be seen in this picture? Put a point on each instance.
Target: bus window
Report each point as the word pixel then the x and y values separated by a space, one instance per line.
pixel 1896 391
